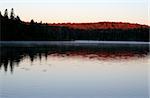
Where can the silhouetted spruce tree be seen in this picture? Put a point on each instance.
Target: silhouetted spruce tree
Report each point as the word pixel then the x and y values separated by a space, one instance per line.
pixel 17 18
pixel 32 22
pixel 12 15
pixel 6 14
pixel 40 22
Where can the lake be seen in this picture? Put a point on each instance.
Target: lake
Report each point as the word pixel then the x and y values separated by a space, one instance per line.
pixel 74 70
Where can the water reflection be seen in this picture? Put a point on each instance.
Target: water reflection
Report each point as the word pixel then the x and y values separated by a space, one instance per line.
pixel 11 56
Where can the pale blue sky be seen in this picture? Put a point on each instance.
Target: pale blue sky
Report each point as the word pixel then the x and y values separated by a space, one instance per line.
pixel 134 11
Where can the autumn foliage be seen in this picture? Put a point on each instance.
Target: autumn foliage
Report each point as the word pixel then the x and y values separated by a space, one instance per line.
pixel 101 25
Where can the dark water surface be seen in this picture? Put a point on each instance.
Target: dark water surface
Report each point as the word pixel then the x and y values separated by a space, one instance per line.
pixel 74 71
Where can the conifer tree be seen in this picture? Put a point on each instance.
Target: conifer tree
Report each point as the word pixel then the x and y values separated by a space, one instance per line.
pixel 6 13
pixel 12 15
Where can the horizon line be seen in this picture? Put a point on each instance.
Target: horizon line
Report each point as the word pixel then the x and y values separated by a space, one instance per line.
pixel 88 22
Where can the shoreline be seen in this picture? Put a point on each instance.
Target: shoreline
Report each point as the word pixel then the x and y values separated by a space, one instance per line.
pixel 75 42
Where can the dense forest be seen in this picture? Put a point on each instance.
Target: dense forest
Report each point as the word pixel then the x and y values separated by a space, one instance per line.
pixel 14 29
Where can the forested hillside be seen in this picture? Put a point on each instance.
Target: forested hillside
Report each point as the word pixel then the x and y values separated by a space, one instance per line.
pixel 101 25
pixel 14 29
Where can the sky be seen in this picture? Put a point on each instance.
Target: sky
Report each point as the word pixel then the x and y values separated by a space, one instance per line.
pixel 64 11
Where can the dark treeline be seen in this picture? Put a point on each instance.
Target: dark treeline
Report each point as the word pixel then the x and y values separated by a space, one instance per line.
pixel 13 29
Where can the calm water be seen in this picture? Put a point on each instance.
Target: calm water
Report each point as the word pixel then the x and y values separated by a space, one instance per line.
pixel 74 71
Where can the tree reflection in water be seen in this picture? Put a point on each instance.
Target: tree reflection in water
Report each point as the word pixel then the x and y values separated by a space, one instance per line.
pixel 12 55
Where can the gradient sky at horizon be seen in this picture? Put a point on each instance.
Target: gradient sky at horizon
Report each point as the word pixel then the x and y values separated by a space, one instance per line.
pixel 60 11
